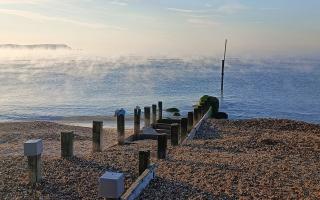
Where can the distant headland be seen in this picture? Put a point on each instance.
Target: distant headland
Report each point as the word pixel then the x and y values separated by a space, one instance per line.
pixel 35 46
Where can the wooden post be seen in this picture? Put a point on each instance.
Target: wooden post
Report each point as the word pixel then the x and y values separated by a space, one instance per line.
pixel 120 129
pixel 190 120
pixel 184 127
pixel 33 150
pixel 162 146
pixel 195 115
pixel 160 110
pixel 146 117
pixel 200 112
pixel 175 136
pixel 67 144
pixel 144 160
pixel 222 76
pixel 137 116
pixel 223 62
pixel 34 168
pixel 97 136
pixel 154 113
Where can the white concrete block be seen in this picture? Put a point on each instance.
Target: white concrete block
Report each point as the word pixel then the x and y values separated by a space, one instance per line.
pixel 33 147
pixel 111 185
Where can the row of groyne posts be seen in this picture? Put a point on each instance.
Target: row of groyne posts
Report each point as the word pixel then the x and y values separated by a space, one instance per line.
pixel 155 128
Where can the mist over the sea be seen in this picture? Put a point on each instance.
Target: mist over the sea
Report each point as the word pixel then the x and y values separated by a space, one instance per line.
pixel 50 85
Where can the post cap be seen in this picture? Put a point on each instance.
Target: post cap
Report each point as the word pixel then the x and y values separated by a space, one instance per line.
pixel 33 147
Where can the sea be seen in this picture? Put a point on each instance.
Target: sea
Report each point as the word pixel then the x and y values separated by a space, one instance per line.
pixel 75 88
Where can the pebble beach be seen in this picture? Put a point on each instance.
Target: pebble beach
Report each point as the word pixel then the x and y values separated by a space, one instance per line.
pixel 227 159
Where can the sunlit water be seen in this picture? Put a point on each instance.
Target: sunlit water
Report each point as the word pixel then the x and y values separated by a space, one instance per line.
pixel 53 85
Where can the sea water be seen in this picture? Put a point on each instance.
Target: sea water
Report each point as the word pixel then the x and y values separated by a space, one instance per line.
pixel 69 85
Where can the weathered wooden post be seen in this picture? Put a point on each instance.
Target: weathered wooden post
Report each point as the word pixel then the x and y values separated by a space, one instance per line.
pixel 137 116
pixel 97 136
pixel 144 160
pixel 160 110
pixel 162 146
pixel 146 117
pixel 67 144
pixel 222 68
pixel 154 113
pixel 184 127
pixel 33 150
pixel 200 112
pixel 121 128
pixel 195 115
pixel 190 120
pixel 175 134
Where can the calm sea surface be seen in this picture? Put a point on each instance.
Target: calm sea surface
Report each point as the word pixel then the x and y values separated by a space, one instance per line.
pixel 52 86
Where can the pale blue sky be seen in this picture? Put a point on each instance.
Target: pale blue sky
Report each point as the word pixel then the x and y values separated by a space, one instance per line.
pixel 166 27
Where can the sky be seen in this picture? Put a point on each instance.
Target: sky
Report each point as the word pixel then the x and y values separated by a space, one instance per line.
pixel 166 27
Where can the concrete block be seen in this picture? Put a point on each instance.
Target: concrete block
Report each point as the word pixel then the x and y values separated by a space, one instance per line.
pixel 111 185
pixel 33 147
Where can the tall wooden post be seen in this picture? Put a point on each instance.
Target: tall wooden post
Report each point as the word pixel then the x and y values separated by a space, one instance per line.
pixel 154 113
pixel 162 146
pixel 67 144
pixel 146 117
pixel 137 117
pixel 34 168
pixel 222 76
pixel 33 150
pixel 160 110
pixel 97 136
pixel 195 115
pixel 200 112
pixel 175 134
pixel 144 160
pixel 184 127
pixel 121 129
pixel 190 120
pixel 223 62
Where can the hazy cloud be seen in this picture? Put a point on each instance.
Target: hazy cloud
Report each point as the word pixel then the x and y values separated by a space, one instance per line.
pixel 179 10
pixel 206 22
pixel 21 1
pixel 42 18
pixel 232 8
pixel 119 3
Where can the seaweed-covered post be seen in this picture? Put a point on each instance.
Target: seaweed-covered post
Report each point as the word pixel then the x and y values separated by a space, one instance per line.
pixel 120 128
pixel 195 115
pixel 144 160
pixel 67 144
pixel 154 113
pixel 137 116
pixel 175 134
pixel 33 150
pixel 190 120
pixel 146 117
pixel 162 146
pixel 160 110
pixel 184 127
pixel 97 136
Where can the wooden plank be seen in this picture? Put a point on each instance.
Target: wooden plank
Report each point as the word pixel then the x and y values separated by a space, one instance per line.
pixel 197 126
pixel 140 184
pixel 169 121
